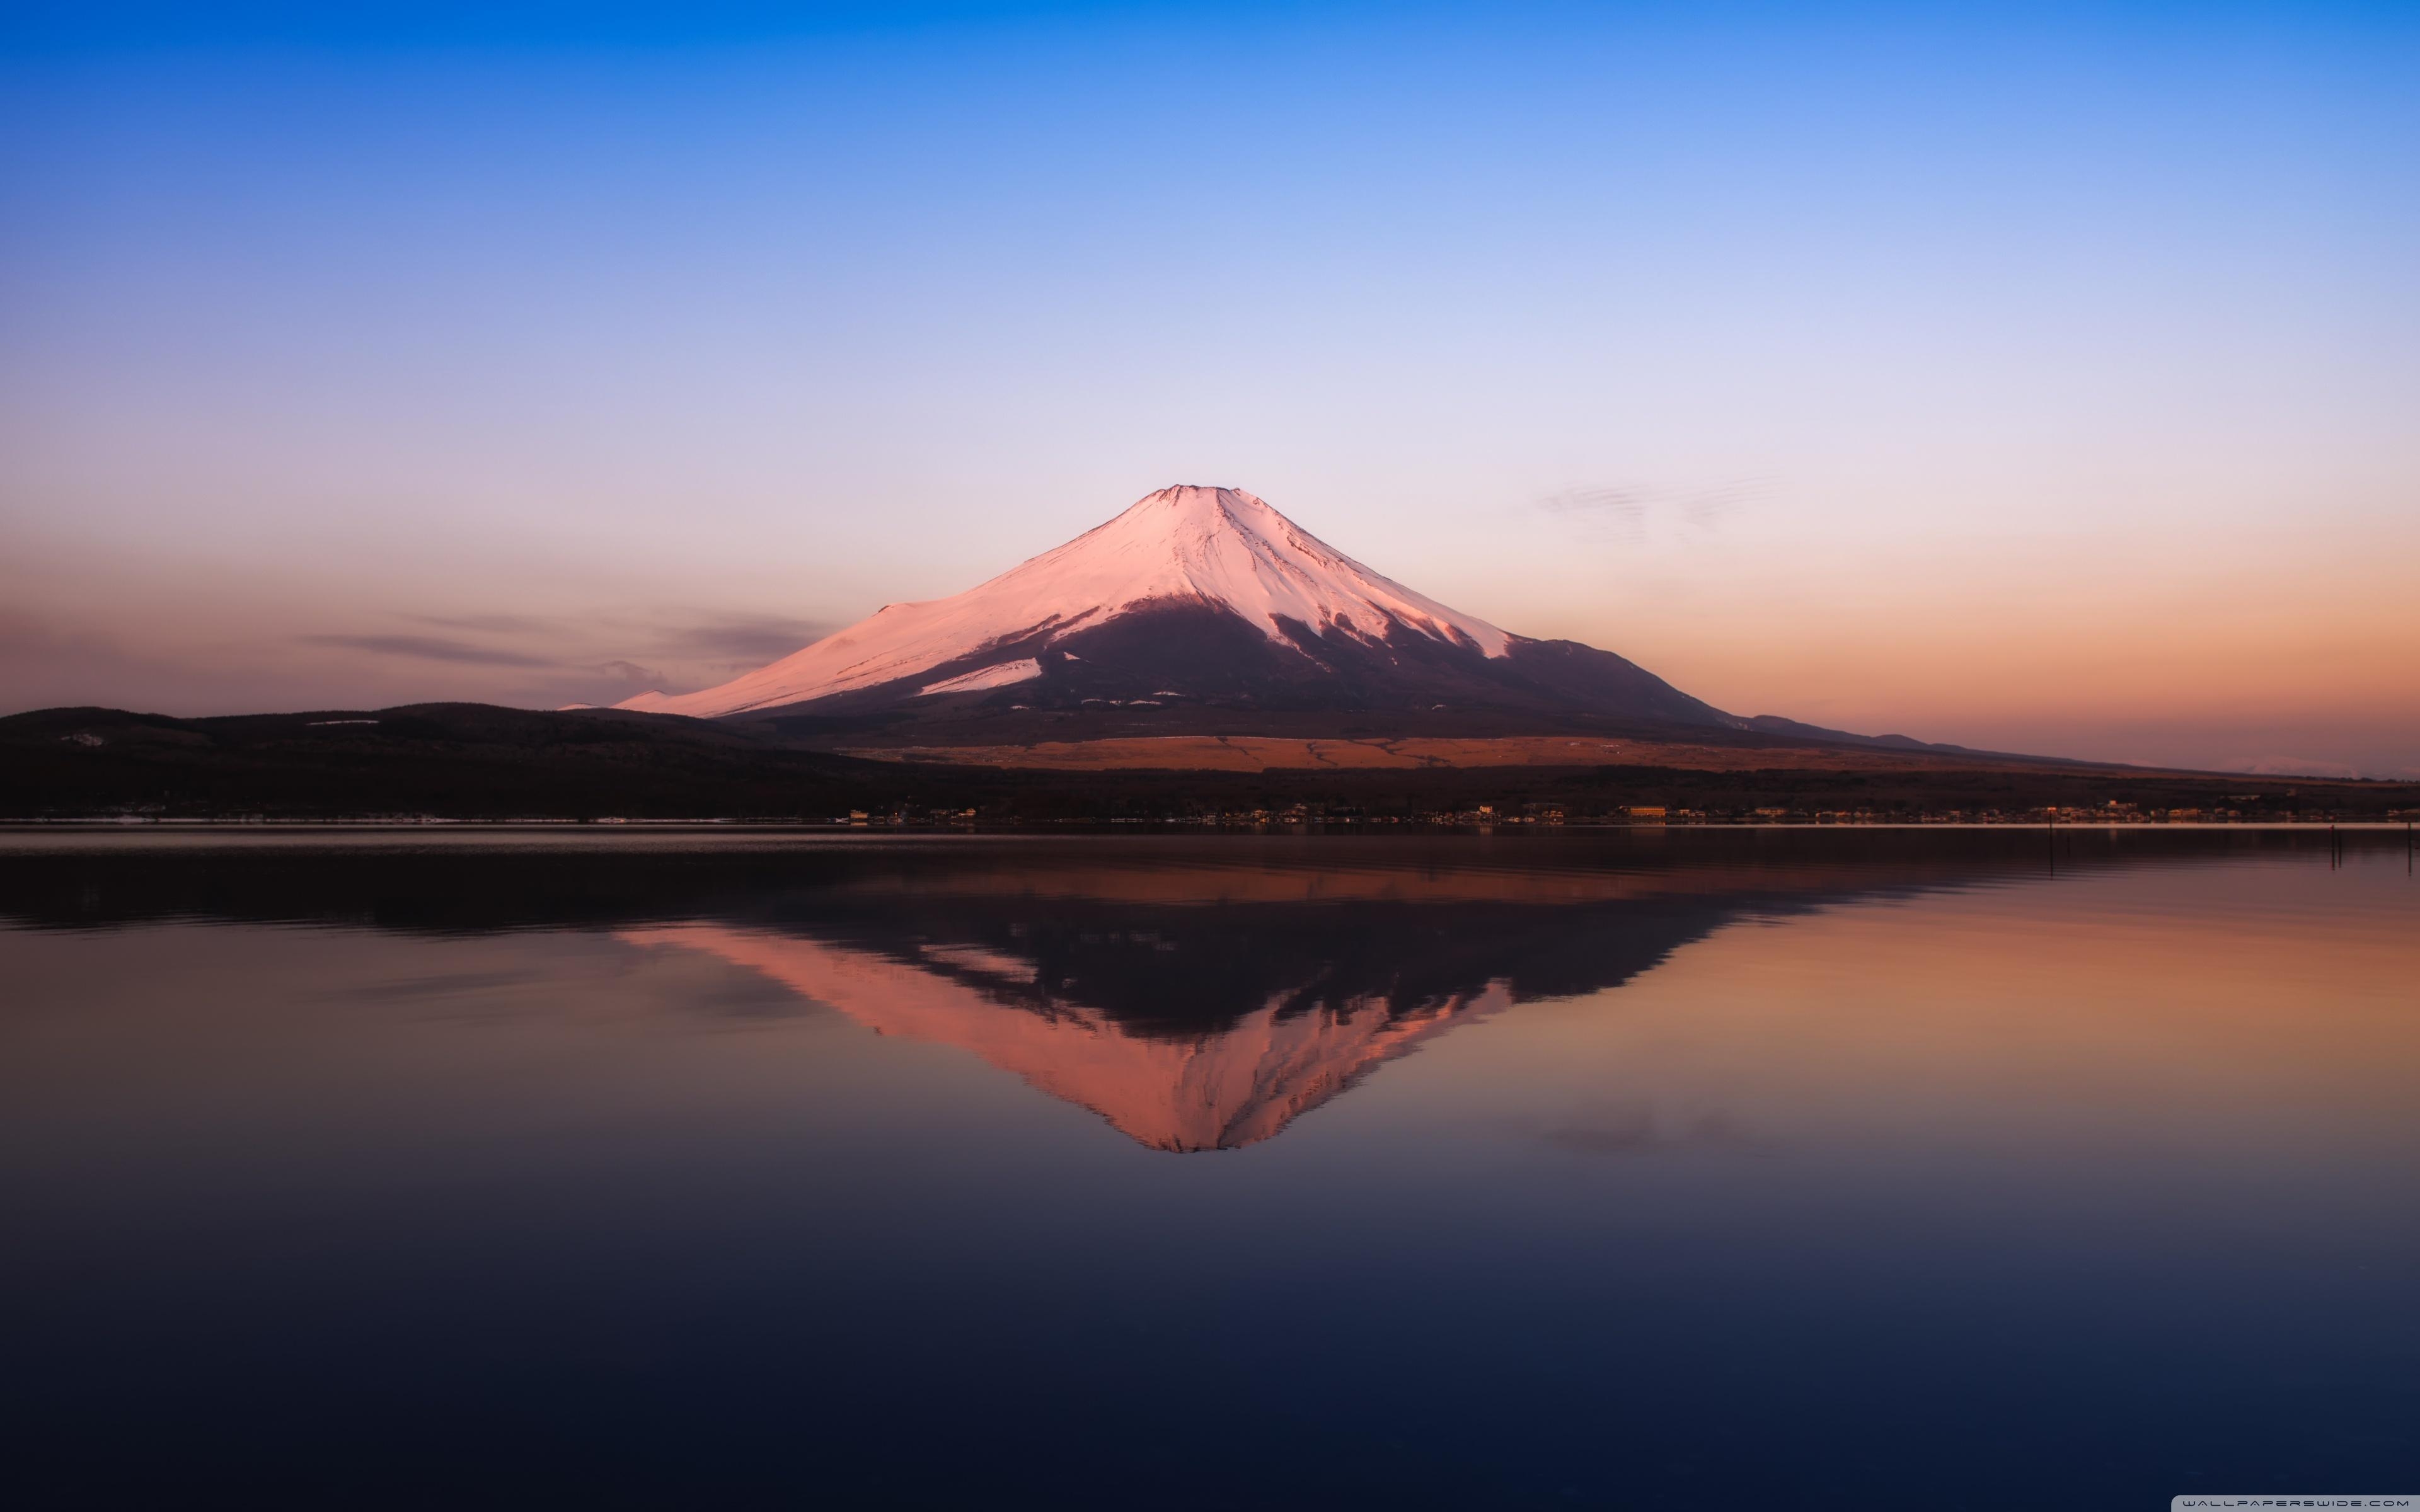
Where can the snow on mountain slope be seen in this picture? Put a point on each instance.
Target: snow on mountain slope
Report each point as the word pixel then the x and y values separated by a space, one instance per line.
pixel 1219 547
pixel 998 676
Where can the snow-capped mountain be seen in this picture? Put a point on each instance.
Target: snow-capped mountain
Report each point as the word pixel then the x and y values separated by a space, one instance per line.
pixel 1192 596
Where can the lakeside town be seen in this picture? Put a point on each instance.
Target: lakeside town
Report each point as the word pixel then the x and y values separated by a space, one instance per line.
pixel 1313 815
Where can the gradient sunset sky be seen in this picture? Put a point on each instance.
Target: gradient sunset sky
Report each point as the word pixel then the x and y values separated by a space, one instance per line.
pixel 2043 379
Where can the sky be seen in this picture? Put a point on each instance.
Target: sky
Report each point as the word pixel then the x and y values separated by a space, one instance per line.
pixel 2043 379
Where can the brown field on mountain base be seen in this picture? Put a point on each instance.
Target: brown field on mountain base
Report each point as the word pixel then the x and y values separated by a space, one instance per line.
pixel 1272 753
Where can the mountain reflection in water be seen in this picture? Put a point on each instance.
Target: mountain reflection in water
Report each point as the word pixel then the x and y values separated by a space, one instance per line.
pixel 1208 1007
pixel 1221 1089
pixel 1198 995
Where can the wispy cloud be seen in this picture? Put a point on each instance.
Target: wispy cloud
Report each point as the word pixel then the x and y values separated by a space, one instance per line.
pixel 486 624
pixel 1629 510
pixel 629 673
pixel 581 659
pixel 1624 507
pixel 430 648
pixel 671 636
pixel 752 638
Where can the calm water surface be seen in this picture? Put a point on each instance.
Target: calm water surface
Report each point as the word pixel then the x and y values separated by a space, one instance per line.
pixel 1689 1169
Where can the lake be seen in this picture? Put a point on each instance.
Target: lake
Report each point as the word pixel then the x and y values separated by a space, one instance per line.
pixel 1652 1168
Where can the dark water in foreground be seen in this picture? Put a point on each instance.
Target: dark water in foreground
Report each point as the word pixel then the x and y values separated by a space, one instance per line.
pixel 1691 1169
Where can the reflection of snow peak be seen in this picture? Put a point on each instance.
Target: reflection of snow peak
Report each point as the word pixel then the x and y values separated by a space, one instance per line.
pixel 1219 547
pixel 1000 676
pixel 1220 1091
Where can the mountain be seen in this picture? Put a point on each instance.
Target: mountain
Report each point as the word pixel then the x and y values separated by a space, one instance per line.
pixel 1193 597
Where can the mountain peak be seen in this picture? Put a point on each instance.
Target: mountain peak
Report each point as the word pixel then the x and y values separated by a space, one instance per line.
pixel 1193 506
pixel 1201 498
pixel 1179 521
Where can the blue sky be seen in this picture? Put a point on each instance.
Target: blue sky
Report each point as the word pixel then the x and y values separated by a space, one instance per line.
pixel 1742 340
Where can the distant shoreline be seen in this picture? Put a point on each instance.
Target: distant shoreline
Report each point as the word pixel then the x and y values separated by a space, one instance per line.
pixel 470 763
pixel 105 824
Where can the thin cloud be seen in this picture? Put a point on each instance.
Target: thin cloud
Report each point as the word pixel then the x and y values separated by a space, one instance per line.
pixel 755 639
pixel 631 675
pixel 429 648
pixel 752 638
pixel 1626 508
pixel 486 624
pixel 1630 509
pixel 593 660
